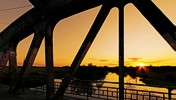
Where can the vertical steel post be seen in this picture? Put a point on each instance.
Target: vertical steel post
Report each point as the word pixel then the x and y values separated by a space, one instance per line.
pixel 83 50
pixel 49 60
pixel 121 53
pixel 12 68
pixel 170 93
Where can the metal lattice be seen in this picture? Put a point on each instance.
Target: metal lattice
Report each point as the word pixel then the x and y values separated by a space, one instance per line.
pixel 41 21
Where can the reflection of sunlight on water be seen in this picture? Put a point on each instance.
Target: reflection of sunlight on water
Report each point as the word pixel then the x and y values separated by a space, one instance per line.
pixel 128 79
pixel 113 77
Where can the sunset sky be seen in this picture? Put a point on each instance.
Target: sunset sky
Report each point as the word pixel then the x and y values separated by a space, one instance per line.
pixel 143 44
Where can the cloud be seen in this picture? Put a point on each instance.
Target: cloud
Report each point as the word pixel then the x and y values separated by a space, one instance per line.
pixel 103 60
pixel 112 64
pixel 134 59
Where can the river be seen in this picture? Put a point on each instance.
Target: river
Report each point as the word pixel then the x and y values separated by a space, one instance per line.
pixel 113 77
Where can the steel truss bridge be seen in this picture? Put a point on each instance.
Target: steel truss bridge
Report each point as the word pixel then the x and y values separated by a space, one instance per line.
pixel 41 20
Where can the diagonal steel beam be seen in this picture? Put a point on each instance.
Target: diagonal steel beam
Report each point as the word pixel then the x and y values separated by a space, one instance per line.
pixel 83 50
pixel 28 62
pixel 159 21
pixel 21 27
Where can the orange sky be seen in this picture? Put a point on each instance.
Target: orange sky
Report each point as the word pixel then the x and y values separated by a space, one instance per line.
pixel 142 42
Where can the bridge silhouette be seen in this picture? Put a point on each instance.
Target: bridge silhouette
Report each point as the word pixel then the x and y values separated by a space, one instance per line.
pixel 41 20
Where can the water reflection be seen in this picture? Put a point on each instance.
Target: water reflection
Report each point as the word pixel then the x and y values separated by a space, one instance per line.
pixel 89 87
pixel 113 77
pixel 94 87
pixel 82 87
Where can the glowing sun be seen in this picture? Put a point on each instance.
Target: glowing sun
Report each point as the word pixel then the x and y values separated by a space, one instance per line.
pixel 141 65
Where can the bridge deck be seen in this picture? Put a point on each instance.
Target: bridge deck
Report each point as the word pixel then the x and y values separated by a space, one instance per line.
pixel 29 95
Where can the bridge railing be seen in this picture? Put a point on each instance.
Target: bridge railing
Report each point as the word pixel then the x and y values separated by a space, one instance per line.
pixel 85 89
